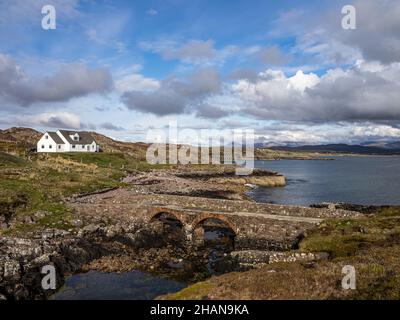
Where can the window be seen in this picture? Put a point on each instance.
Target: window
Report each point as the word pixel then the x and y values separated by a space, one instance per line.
pixel 46 136
pixel 83 147
pixel 59 147
pixel 73 146
pixel 93 147
pixel 42 146
pixel 50 146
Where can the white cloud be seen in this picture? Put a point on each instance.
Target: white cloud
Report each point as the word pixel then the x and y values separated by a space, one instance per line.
pixel 272 56
pixel 294 133
pixel 152 12
pixel 121 47
pixel 136 82
pixel 321 48
pixel 70 81
pixel 193 51
pixel 174 95
pixel 320 36
pixel 301 81
pixel 374 131
pixel 61 120
pixel 377 34
pixel 367 91
pixel 92 34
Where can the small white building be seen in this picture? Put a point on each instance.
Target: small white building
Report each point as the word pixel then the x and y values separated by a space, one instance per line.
pixel 67 141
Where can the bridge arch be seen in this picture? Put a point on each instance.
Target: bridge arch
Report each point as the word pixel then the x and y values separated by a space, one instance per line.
pixel 217 218
pixel 167 218
pixel 211 230
pixel 172 229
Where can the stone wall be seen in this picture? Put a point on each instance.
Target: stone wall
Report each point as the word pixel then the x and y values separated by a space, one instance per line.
pixel 248 259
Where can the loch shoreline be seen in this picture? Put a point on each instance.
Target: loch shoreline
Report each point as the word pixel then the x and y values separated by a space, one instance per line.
pixel 114 244
pixel 119 242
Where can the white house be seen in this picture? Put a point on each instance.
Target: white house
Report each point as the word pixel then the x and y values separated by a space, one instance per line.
pixel 67 141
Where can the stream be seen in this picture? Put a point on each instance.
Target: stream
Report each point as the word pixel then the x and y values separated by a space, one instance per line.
pixel 138 285
pixel 134 285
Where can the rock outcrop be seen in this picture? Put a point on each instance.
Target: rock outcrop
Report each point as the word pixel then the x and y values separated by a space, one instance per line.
pixel 219 184
pixel 22 258
pixel 249 259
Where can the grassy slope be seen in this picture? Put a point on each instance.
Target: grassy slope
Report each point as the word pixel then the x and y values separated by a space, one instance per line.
pixel 40 182
pixel 32 182
pixel 20 140
pixel 370 244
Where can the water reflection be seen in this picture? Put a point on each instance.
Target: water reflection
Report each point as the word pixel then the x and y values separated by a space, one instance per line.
pixel 135 285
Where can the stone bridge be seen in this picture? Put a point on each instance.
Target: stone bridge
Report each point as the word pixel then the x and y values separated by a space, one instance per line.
pixel 251 230
pixel 253 226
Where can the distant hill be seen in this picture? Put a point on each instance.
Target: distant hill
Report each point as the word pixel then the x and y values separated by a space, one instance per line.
pixel 21 140
pixel 26 135
pixel 136 149
pixel 383 144
pixel 18 140
pixel 341 148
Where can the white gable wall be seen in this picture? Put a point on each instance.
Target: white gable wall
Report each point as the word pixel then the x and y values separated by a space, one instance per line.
pixel 95 147
pixel 67 146
pixel 46 144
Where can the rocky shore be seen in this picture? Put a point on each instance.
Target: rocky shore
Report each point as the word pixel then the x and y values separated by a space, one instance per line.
pixel 221 183
pixel 121 242
pixel 109 248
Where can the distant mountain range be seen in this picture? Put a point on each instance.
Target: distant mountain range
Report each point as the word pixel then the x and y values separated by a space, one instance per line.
pixel 23 139
pixel 385 145
pixel 367 148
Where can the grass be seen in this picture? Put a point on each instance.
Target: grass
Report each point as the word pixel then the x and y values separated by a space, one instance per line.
pixel 41 182
pixel 371 244
pixel 8 159
pixel 13 147
pixel 197 291
pixel 344 237
pixel 389 211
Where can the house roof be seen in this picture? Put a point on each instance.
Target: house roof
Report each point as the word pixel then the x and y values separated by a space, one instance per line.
pixel 55 137
pixel 84 137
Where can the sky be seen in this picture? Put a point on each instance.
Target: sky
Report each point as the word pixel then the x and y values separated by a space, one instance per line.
pixel 287 69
